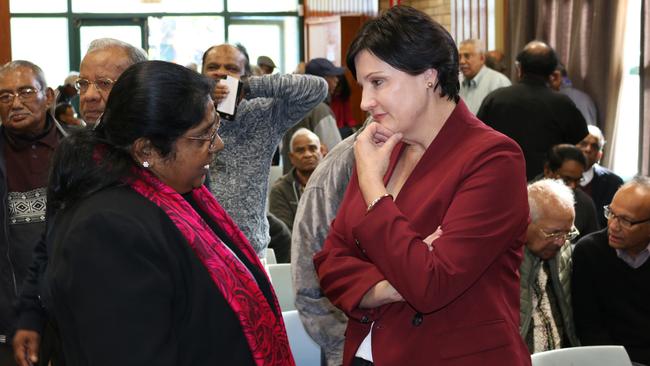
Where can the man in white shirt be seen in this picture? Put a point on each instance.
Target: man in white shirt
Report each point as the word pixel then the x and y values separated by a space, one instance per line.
pixel 478 80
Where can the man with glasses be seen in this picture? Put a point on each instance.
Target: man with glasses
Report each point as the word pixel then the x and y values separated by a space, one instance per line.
pixel 611 275
pixel 566 162
pixel 28 137
pixel 597 181
pixel 546 318
pixel 103 63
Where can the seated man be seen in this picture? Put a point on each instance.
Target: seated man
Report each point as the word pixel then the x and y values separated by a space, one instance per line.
pixel 597 181
pixel 567 162
pixel 611 272
pixel 320 119
pixel 305 154
pixel 545 314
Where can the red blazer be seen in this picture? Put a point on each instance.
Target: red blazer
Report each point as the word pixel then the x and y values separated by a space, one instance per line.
pixel 462 298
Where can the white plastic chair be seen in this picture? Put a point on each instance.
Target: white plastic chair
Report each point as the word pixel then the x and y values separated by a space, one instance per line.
pixel 305 351
pixel 583 356
pixel 281 279
pixel 270 256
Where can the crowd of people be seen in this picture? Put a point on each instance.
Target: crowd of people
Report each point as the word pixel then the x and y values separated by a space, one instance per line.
pixel 468 220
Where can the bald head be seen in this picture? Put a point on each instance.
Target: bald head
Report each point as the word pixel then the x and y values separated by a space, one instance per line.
pixel 223 60
pixel 537 59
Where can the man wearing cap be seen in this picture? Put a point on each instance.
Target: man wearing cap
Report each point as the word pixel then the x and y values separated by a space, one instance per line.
pixel 321 119
pixel 266 65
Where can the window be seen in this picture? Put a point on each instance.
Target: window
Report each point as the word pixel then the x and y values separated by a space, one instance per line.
pixel 626 136
pixel 40 46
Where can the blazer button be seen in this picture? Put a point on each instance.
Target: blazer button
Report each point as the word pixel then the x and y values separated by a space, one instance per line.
pixel 417 320
pixel 365 319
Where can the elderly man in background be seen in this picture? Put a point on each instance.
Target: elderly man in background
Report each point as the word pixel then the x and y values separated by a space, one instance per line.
pixel 305 154
pixel 28 137
pixel 597 181
pixel 271 104
pixel 478 79
pixel 546 317
pixel 103 63
pixel 611 272
pixel 320 119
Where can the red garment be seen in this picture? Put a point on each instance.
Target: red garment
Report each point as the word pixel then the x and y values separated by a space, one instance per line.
pixel 28 160
pixel 342 113
pixel 462 298
pixel 264 331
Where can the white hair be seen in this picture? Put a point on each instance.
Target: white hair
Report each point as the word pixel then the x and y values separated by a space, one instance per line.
pixel 303 132
pixel 595 131
pixel 477 43
pixel 549 194
pixel 134 54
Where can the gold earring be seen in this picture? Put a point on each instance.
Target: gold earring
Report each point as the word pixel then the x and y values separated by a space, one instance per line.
pixel 429 85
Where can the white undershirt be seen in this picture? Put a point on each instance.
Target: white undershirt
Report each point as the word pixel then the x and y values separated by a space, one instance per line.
pixel 365 348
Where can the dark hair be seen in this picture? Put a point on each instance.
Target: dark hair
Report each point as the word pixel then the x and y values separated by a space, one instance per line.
pixel 410 41
pixel 240 48
pixel 538 62
pixel 60 109
pixel 342 89
pixel 558 154
pixel 156 100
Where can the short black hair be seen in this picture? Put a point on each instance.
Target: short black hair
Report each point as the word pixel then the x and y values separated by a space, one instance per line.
pixel 410 41
pixel 558 154
pixel 60 109
pixel 537 62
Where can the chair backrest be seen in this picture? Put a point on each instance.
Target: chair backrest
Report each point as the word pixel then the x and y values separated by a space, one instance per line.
pixel 281 279
pixel 270 256
pixel 305 351
pixel 583 356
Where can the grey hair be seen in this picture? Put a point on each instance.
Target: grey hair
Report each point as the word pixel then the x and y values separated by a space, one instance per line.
pixel 640 181
pixel 38 72
pixel 303 132
pixel 549 194
pixel 134 54
pixel 594 130
pixel 477 43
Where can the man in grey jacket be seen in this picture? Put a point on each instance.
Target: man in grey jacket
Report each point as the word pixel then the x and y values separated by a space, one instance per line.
pixel 271 105
pixel 546 317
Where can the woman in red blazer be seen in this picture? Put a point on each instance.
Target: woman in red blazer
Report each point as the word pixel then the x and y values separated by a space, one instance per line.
pixel 426 163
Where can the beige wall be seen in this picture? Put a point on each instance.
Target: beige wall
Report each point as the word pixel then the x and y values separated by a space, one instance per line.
pixel 439 10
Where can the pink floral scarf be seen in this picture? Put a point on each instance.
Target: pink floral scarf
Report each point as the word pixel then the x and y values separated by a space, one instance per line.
pixel 264 331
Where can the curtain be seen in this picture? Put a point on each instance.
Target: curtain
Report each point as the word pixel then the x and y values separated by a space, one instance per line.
pixel 644 137
pixel 588 38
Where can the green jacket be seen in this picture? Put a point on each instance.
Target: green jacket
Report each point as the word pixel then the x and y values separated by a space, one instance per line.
pixel 560 268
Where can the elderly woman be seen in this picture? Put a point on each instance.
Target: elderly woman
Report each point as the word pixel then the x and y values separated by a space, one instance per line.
pixel 146 268
pixel 426 163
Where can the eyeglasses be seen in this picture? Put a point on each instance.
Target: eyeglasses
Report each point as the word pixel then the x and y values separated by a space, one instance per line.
pixel 24 94
pixel 210 136
pixel 625 223
pixel 102 84
pixel 563 235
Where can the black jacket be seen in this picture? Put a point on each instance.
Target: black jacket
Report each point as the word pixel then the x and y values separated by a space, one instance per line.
pixel 536 117
pixel 124 288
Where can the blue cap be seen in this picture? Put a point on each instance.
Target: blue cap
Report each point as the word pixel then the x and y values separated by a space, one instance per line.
pixel 322 67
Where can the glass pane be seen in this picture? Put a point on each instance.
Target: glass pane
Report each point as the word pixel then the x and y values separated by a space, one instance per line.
pixel 262 5
pixel 131 34
pixel 52 42
pixel 130 6
pixel 626 155
pixel 38 6
pixel 175 38
pixel 268 37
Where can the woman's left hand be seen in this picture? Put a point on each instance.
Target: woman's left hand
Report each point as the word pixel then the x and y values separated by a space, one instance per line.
pixel 372 150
